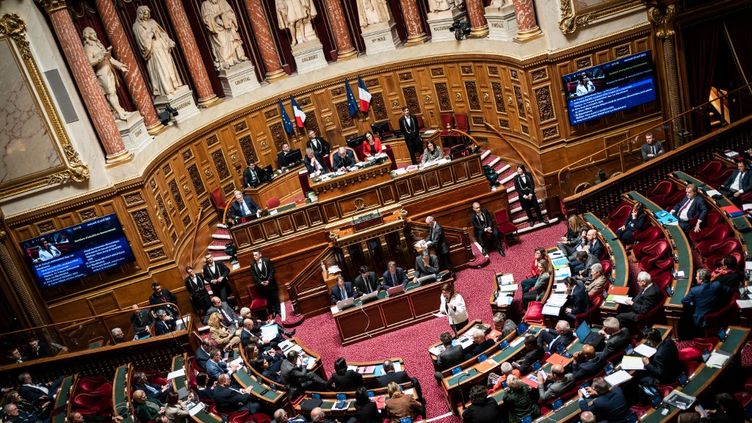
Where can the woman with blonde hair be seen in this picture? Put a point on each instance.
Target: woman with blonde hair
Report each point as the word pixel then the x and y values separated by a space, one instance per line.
pixel 400 405
pixel 453 306
pixel 146 409
pixel 224 338
pixel 519 400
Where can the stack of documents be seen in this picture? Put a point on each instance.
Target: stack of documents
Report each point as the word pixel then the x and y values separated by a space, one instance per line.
pixel 645 350
pixel 717 359
pixel 560 262
pixel 629 362
pixel 505 279
pixel 511 288
pixel 618 377
pixel 562 273
pixel 618 299
pixel 554 304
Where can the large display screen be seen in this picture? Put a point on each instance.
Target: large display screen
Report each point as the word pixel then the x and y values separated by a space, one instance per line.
pixel 78 251
pixel 609 88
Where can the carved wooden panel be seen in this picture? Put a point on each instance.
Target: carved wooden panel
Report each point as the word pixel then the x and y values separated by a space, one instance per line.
pixel 156 254
pixel 311 122
pixel 493 70
pixel 436 72
pixel 248 149
pixel 466 70
pixel 388 196
pixel 257 233
pixel 242 239
pixel 403 188
pixel 46 226
pixel 498 95
pixel 520 103
pixel 417 186
pixel 278 134
pixel 539 74
pixel 472 95
pixel 343 114
pixel 622 50
pixel 144 226
pixel 411 99
pixel 176 195
pixel 545 107
pixel 87 214
pixel 166 169
pixel 330 211
pixel 271 230
pixel 378 106
pixel 551 132
pixel 271 113
pixel 405 76
pixel 187 154
pixel 513 73
pixel 442 94
pixel 583 62
pixel 186 220
pixel 195 177
pixel 314 216
pixel 133 198
pixel 286 225
pixel 504 123
pixel 220 164
pixel 163 211
pixel 299 220
pixel 211 140
pixel 103 303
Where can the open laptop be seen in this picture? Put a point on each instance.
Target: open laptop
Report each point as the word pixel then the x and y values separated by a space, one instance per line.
pixel 395 290
pixel 369 297
pixel 586 336
pixel 346 303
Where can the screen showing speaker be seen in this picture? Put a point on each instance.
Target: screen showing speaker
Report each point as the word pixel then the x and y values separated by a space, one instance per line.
pixel 609 88
pixel 78 251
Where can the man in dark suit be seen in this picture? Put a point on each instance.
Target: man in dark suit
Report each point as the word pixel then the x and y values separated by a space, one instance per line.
pixel 577 300
pixel 739 182
pixel 202 354
pixel 394 275
pixel 390 375
pixel 342 290
pixel 164 324
pixel 163 298
pixel 532 353
pixel 205 392
pixel 485 224
pixel 196 287
pixel 343 379
pixel 295 375
pixel 703 298
pixel 314 165
pixel 648 297
pixel 230 400
pixel 366 282
pixel 227 315
pixel 247 335
pixel 437 239
pixel 480 344
pixel 251 176
pixel 664 366
pixel 608 404
pixel 243 208
pixel 319 145
pixel 557 383
pixel 426 264
pixel 35 393
pixel 262 270
pixel 690 208
pixel 344 158
pixel 141 321
pixel 282 157
pixel 409 128
pixel 524 184
pixel 557 339
pixel 617 338
pixel 651 149
pixel 218 276
pixel 452 354
pixel 585 364
pixel 594 246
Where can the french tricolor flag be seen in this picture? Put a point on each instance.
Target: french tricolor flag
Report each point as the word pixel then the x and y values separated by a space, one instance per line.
pixel 299 114
pixel 364 97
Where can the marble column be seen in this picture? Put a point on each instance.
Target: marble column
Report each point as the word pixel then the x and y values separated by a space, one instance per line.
pixel 415 32
pixel 187 42
pixel 134 79
pixel 338 22
pixel 476 13
pixel 527 25
pixel 265 40
pixel 86 80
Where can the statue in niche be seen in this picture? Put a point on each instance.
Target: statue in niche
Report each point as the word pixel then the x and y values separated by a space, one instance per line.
pixel 296 15
pixel 222 23
pixel 100 58
pixel 497 3
pixel 441 5
pixel 155 46
pixel 371 12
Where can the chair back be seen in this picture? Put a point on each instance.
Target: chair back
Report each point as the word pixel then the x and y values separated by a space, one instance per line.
pixel 272 203
pixel 460 121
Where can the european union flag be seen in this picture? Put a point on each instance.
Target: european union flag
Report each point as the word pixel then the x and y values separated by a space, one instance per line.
pixel 289 127
pixel 352 104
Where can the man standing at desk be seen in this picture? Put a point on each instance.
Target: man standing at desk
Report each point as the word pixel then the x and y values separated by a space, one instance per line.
pixel 251 176
pixel 690 208
pixel 263 275
pixel 394 275
pixel 343 159
pixel 409 128
pixel 436 239
pixel 243 208
pixel 319 145
pixel 314 164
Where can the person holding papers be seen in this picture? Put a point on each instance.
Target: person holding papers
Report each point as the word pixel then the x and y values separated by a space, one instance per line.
pixel 691 210
pixel 554 340
pixel 344 379
pixel 314 164
pixel 536 292
pixel 636 221
pixel 343 159
pixel 703 299
pixel 294 373
pixel 608 404
pixel 647 299
pixel 577 299
pixel 553 385
pixel 341 291
pixel 452 306
pixel 738 183
pixel 437 240
pixel 663 366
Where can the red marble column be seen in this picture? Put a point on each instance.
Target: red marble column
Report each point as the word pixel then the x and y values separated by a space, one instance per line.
pixel 476 13
pixel 415 32
pixel 134 79
pixel 527 25
pixel 86 80
pixel 188 46
pixel 265 40
pixel 345 48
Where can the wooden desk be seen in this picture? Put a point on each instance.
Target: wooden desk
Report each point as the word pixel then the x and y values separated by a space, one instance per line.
pixel 329 399
pixel 285 187
pixel 62 406
pixel 121 393
pixel 370 379
pixel 351 181
pixel 181 383
pixel 620 266
pixel 388 313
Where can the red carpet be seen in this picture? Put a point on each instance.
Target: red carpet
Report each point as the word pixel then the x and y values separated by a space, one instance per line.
pixel 476 285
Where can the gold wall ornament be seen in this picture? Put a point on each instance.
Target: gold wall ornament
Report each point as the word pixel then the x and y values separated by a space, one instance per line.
pixel 662 19
pixel 38 151
pixel 359 203
pixel 427 99
pixel 52 5
pixel 575 14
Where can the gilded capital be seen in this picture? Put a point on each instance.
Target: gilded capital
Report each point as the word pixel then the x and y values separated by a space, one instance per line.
pixel 662 18
pixel 52 5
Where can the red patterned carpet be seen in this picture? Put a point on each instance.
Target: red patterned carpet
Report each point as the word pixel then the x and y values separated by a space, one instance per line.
pixel 411 343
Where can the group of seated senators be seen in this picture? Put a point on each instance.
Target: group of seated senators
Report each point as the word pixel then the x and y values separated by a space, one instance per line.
pixel 691 208
pixel 484 224
pixel 479 345
pixel 648 297
pixel 29 401
pixel 32 350
pixel 243 208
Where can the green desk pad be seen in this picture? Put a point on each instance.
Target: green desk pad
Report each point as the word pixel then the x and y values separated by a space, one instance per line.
pixel 60 411
pixel 246 380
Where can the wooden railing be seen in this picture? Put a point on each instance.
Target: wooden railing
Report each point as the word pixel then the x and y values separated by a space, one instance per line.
pixel 537 173
pixel 308 292
pixel 460 250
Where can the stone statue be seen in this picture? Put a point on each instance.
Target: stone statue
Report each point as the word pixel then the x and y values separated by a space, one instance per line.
pixel 155 46
pixel 440 5
pixel 100 58
pixel 497 4
pixel 371 12
pixel 222 23
pixel 296 15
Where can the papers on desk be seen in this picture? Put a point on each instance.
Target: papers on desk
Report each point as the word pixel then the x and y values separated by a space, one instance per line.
pixel 397 366
pixel 556 254
pixel 559 359
pixel 560 287
pixel 400 171
pixel 629 362
pixel 618 299
pixel 679 400
pixel 504 300
pixel 437 350
pixel 550 310
pixel 560 262
pixel 430 132
pixel 269 332
pixel 666 218
pixel 505 279
pixel 286 345
pixel 744 304
pixel 747 206
pixel 557 300
pixel 196 409
pixel 518 341
pixel 486 365
pixel 717 359
pixel 508 288
pixel 562 273
pixel 618 377
pixel 176 374
pixel 645 350
pixel 730 154
pixel 341 405
pixel 712 193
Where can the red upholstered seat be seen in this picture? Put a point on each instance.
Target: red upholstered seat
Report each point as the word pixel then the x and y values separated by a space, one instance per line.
pixel 91 384
pixel 709 170
pixel 595 305
pixel 258 302
pixel 617 216
pixel 710 232
pixel 534 313
pixel 657 266
pixel 648 256
pixel 648 235
pixel 662 279
pixel 715 261
pixel 447 120
pixel 661 189
pixel 651 249
pixel 504 224
pixel 606 267
pixel 689 353
pixel 239 417
pixel 460 122
pixel 272 203
pixel 93 402
pixel 260 418
pixel 218 201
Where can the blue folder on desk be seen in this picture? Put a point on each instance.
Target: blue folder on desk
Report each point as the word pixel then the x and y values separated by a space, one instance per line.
pixel 665 218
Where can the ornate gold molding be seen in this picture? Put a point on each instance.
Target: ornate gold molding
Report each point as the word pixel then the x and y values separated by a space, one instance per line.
pixel 52 5
pixel 572 18
pixel 662 19
pixel 13 30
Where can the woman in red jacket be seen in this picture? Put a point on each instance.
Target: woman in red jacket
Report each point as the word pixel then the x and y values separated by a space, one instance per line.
pixel 371 146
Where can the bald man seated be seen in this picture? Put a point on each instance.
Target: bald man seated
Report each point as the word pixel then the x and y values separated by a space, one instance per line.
pixel 343 159
pixel 556 383
pixel 585 364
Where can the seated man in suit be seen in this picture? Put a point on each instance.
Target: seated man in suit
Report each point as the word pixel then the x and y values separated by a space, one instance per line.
pixel 532 353
pixel 608 404
pixel 617 338
pixel 577 300
pixel 36 393
pixel 594 246
pixel 585 364
pixel 215 366
pixel 314 164
pixel 141 321
pixel 390 375
pixel 703 299
pixel 366 282
pixel 243 208
pixel 664 366
pixel 394 275
pixel 230 320
pixel 426 264
pixel 343 159
pixel 342 290
pixel 739 182
pixel 484 224
pixel 571 246
pixel 294 373
pixel 230 400
pixel 139 382
pixel 452 354
pixel 165 323
pixel 343 379
pixel 251 176
pixel 203 389
pixel 647 299
pixel 555 340
pixel 556 383
pixel 203 353
pixel 691 208
pixel 283 160
pixel 246 334
pixel 651 149
pixel 597 281
pixel 479 345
